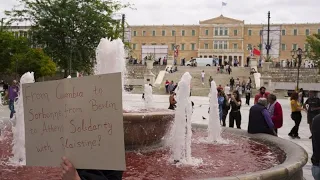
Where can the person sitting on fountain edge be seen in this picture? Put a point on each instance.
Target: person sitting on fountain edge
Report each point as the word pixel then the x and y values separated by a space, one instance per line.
pixel 69 172
pixel 172 101
pixel 259 119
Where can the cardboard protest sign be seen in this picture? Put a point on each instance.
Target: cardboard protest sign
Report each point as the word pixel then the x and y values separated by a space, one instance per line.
pixel 80 118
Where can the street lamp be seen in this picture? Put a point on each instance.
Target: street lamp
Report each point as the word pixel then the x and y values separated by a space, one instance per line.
pixel 68 41
pixel 297 55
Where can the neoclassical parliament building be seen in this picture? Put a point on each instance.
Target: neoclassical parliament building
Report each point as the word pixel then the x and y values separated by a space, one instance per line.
pixel 222 37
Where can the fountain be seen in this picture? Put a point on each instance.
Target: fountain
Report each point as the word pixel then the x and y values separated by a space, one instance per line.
pixel 249 156
pixel 142 127
pixel 18 142
pixel 182 124
pixel 214 128
pixel 148 98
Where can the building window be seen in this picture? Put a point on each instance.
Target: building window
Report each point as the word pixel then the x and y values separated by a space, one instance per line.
pixel 294 46
pixel 25 34
pixel 249 46
pixel 143 33
pixel 261 32
pixel 153 33
pixel 249 32
pixel 163 43
pixel 173 32
pixel 172 47
pixel 205 56
pixel 283 32
pixel 235 32
pixel 134 46
pixel 216 31
pixel 235 46
pixel 183 32
pixel 153 44
pixel 221 32
pixel 193 32
pixel 220 44
pixel 307 32
pixel 16 34
pixel 283 47
pixel 318 31
pixel 226 31
pixel 163 32
pixel 206 46
pixel 207 32
pixel 143 44
pixel 182 47
pixel 134 33
pixel 225 45
pixel 215 46
pixel 193 46
pixel 295 32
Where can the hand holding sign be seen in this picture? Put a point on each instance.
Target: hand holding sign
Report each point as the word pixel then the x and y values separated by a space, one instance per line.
pixel 78 118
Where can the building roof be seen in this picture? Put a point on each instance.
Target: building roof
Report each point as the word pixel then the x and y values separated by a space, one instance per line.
pixel 221 20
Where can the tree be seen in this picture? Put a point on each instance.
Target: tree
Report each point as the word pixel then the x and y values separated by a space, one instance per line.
pixel 84 21
pixel 9 46
pixel 314 48
pixel 34 60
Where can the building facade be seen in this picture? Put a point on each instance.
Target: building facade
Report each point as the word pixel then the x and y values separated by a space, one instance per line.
pixel 226 38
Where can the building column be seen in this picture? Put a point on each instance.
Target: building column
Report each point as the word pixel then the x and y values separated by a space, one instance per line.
pixel 242 61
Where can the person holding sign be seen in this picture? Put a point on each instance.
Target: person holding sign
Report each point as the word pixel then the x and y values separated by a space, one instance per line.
pixel 69 172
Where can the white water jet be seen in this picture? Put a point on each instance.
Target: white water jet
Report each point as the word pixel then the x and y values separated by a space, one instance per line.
pixel 69 77
pixel 214 128
pixel 18 149
pixel 148 97
pixel 182 124
pixel 110 58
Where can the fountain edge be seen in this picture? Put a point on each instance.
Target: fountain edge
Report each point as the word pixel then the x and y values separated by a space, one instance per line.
pixel 290 169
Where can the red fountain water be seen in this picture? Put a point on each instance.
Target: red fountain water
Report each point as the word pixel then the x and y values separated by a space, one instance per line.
pixel 240 157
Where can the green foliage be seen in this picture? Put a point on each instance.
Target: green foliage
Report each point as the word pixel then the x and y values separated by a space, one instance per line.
pixel 268 59
pixel 33 60
pixel 314 47
pixel 9 45
pixel 84 21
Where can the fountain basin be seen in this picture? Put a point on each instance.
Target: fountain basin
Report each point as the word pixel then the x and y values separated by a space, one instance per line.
pixel 289 169
pixel 146 128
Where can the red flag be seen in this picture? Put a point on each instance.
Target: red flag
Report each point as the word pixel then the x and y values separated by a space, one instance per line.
pixel 256 52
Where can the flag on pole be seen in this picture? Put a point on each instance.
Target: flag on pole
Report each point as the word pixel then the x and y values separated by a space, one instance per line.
pixel 256 52
pixel 224 4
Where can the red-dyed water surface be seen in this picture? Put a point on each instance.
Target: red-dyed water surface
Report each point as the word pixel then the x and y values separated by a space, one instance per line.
pixel 241 156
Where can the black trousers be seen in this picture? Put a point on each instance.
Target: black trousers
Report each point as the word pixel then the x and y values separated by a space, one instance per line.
pixel 99 174
pixel 296 116
pixel 235 116
pixel 224 117
pixel 248 95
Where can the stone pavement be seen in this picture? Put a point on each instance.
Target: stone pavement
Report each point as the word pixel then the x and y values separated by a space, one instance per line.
pixel 201 109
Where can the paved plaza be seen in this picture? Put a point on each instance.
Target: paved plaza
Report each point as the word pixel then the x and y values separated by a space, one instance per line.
pixel 201 109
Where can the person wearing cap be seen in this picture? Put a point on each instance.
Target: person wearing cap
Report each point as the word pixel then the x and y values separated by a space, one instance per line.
pixel 262 94
pixel 312 105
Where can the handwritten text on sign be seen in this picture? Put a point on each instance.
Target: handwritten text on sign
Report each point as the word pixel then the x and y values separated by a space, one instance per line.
pixel 79 118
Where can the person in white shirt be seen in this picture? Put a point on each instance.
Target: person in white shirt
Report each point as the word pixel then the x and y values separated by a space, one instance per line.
pixel 227 89
pixel 202 76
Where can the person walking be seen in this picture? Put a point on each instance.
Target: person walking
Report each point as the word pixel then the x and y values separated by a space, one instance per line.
pixel 315 158
pixel 248 94
pixel 225 108
pixel 231 83
pixel 275 110
pixel 13 94
pixel 312 105
pixel 295 115
pixel 202 77
pixel 235 114
pixel 172 101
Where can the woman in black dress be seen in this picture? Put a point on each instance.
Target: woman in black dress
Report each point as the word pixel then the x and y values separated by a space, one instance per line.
pixel 235 114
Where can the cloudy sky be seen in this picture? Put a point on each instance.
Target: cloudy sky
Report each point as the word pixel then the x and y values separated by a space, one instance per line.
pixel 191 11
